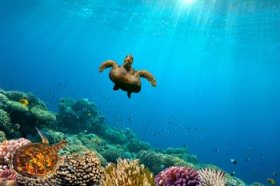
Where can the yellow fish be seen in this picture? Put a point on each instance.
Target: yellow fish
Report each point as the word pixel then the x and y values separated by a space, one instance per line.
pixel 271 181
pixel 24 101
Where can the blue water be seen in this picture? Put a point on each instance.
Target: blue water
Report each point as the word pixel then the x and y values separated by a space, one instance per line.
pixel 217 65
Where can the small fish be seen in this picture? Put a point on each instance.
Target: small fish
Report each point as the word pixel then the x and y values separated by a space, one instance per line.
pixel 24 101
pixel 271 181
pixel 233 161
pixel 232 173
pixel 216 149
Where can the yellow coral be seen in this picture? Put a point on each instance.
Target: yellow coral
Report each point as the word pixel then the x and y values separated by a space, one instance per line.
pixel 127 173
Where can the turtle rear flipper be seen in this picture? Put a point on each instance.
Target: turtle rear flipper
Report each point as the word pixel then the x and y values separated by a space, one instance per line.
pixel 129 94
pixel 116 87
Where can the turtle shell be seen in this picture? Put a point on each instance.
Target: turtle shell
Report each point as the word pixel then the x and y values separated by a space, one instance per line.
pixel 35 160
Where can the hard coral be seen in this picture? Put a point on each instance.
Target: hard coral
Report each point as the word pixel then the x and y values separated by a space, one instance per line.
pixel 210 177
pixel 21 112
pixel 156 162
pixel 8 174
pixel 8 148
pixel 78 116
pixel 80 170
pixel 74 170
pixel 127 173
pixel 178 176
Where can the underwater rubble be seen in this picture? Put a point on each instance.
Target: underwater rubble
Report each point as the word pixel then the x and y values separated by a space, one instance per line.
pixel 95 154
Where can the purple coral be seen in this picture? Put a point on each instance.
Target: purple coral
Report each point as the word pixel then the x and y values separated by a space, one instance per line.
pixel 179 176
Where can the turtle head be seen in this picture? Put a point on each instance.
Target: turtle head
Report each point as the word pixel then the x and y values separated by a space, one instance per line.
pixel 128 61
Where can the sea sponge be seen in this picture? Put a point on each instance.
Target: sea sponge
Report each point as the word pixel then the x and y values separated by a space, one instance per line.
pixel 210 177
pixel 127 173
pixel 178 176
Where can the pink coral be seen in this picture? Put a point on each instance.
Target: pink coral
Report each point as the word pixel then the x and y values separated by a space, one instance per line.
pixel 8 174
pixel 178 176
pixel 8 148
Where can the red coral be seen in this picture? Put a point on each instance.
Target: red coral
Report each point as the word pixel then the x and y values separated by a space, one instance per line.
pixel 178 176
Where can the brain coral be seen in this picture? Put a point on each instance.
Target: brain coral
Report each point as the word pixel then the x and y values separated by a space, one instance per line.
pixel 127 173
pixel 80 170
pixel 178 176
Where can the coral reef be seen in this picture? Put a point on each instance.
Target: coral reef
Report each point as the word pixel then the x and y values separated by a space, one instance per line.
pixel 135 145
pixel 156 162
pixel 178 176
pixel 79 116
pixel 76 169
pixel 80 170
pixel 127 173
pixel 82 125
pixel 8 174
pixel 182 153
pixel 211 177
pixel 8 149
pixel 21 112
pixel 2 136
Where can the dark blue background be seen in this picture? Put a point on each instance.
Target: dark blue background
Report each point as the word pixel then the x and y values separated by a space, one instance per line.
pixel 217 65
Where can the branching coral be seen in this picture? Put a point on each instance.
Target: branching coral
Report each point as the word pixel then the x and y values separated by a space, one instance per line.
pixel 8 148
pixel 178 176
pixel 8 174
pixel 210 177
pixel 127 173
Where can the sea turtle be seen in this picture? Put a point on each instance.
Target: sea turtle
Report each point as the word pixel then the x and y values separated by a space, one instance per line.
pixel 125 77
pixel 37 160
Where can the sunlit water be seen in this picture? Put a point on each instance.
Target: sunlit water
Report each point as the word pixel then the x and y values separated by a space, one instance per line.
pixel 217 65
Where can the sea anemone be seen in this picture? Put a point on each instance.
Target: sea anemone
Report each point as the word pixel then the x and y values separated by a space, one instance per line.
pixel 210 177
pixel 183 176
pixel 127 173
